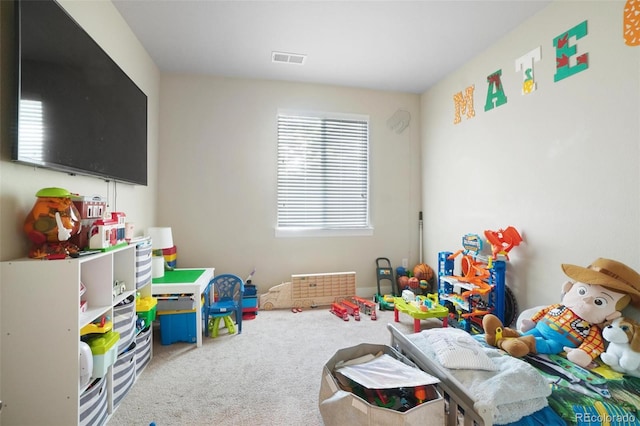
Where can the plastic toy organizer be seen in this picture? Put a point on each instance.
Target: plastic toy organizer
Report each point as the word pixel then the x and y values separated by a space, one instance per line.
pixel 146 308
pixel 103 348
pixel 249 301
pixel 469 299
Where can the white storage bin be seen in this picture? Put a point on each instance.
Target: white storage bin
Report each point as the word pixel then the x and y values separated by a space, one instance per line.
pixel 143 349
pixel 124 373
pixel 124 322
pixel 143 264
pixel 94 404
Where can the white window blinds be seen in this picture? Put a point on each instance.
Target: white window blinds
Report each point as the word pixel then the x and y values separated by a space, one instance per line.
pixel 323 172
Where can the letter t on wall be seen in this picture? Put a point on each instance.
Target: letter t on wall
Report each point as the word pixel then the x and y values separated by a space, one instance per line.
pixel 525 64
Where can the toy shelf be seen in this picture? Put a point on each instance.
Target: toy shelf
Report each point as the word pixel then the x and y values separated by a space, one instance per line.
pixel 63 296
pixel 466 301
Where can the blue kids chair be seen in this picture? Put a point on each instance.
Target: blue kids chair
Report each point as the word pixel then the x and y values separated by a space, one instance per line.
pixel 228 291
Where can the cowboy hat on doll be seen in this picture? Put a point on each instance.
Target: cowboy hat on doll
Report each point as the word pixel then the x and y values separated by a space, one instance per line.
pixel 596 295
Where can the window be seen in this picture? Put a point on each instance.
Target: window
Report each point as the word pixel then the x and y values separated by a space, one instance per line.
pixel 323 174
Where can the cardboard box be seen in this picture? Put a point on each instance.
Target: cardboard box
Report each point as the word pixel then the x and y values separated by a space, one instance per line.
pixel 340 407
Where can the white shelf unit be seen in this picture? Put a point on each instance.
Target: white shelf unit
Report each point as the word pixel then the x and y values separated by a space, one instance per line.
pixel 41 322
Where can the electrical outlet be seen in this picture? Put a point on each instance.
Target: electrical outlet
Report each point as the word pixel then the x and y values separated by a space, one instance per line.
pixel 405 263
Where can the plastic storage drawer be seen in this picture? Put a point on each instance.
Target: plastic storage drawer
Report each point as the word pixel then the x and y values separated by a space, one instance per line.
pixel 124 373
pixel 124 322
pixel 103 348
pixel 94 404
pixel 143 349
pixel 143 264
pixel 146 309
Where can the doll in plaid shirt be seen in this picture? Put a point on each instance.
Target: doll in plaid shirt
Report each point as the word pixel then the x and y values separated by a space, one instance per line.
pixel 598 294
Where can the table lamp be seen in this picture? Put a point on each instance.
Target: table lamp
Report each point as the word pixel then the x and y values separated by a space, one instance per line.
pixel 161 238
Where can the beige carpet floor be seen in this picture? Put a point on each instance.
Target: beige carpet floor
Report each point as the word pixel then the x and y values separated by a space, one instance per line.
pixel 268 375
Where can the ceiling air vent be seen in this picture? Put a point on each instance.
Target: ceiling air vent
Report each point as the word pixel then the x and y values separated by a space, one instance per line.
pixel 288 58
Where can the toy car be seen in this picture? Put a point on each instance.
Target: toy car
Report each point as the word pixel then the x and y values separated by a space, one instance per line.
pixel 119 287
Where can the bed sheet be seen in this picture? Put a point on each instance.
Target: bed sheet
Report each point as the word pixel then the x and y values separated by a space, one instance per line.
pixel 596 396
pixel 589 397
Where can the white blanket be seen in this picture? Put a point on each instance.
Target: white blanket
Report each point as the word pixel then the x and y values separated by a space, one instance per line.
pixel 513 391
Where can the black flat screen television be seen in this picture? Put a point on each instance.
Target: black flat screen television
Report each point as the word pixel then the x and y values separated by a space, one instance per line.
pixel 78 112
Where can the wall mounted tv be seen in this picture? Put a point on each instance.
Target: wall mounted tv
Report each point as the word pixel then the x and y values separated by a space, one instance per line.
pixel 78 112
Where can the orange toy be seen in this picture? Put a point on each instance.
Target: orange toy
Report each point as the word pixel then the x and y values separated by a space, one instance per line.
pixel 503 240
pixel 52 221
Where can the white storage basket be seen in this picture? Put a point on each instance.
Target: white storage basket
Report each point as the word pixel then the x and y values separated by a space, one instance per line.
pixel 124 373
pixel 94 404
pixel 143 349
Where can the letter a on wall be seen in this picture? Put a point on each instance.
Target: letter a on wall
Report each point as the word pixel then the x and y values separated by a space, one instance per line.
pixel 463 103
pixel 566 53
pixel 495 92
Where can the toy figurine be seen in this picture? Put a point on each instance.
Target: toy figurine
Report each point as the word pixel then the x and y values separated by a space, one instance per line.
pixel 596 296
pixel 50 224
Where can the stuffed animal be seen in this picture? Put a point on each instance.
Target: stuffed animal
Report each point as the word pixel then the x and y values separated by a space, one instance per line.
pixel 596 295
pixel 623 351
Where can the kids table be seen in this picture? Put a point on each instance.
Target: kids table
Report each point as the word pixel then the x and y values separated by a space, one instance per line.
pixel 436 311
pixel 185 281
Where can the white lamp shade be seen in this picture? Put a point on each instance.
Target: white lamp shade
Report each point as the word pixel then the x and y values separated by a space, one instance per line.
pixel 161 238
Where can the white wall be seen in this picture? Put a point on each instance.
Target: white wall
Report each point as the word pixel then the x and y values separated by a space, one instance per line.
pixel 19 183
pixel 560 164
pixel 217 179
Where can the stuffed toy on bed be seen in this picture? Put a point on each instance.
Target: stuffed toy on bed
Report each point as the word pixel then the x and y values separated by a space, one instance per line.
pixel 623 350
pixel 596 295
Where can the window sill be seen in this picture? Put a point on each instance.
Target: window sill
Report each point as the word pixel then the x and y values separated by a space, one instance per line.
pixel 306 232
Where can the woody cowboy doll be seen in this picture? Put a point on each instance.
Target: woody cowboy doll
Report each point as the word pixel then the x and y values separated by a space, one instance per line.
pixel 596 295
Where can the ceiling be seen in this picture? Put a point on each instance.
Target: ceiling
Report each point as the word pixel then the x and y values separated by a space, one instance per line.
pixel 393 45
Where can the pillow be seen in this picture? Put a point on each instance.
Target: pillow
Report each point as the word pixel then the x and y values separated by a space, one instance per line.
pixel 456 349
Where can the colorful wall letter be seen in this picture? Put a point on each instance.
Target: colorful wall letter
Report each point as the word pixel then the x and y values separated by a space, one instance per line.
pixel 631 23
pixel 495 92
pixel 463 103
pixel 525 64
pixel 565 50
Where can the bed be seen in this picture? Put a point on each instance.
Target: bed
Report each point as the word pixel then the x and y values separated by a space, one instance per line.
pixel 555 392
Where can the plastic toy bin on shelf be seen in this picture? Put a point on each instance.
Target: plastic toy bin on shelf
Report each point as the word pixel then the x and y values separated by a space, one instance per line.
pixel 146 308
pixel 104 349
pixel 177 326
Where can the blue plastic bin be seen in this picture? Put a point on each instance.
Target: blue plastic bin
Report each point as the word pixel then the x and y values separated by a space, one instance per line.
pixel 177 326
